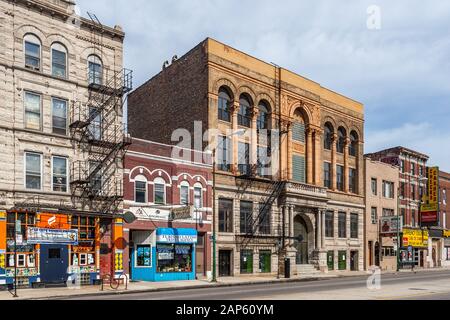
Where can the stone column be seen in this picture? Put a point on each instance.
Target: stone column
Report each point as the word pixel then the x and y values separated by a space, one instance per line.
pixel 309 156
pixel 235 138
pixel 288 175
pixel 254 137
pixel 322 212
pixel 318 230
pixel 318 165
pixel 346 166
pixel 333 162
pixel 291 223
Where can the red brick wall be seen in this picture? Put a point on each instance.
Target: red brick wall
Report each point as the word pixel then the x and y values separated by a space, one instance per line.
pixel 181 88
pixel 444 184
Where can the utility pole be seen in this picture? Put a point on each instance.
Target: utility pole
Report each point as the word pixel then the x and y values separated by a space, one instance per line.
pixel 214 275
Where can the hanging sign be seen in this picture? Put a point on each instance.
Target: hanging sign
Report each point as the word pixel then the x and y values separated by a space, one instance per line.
pixel 52 236
pixel 446 234
pixel 415 238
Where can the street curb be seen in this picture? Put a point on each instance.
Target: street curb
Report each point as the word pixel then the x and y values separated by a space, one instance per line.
pixel 217 285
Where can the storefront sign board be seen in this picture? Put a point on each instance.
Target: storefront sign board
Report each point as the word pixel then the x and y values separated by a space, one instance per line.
pixel 51 236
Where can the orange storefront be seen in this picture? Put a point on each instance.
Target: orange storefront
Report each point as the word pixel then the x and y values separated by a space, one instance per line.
pixel 56 248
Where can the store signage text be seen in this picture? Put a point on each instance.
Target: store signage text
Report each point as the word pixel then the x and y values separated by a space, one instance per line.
pixel 166 238
pixel 51 236
pixel 431 200
pixel 415 238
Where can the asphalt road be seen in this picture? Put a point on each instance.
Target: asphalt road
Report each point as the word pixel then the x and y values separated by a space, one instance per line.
pixel 404 286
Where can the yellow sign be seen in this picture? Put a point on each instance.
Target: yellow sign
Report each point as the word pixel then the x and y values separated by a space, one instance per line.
pixel 446 233
pixel 431 200
pixel 118 262
pixel 415 238
pixel 2 215
pixel 2 261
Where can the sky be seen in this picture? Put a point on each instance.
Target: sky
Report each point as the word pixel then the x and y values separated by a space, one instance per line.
pixel 393 56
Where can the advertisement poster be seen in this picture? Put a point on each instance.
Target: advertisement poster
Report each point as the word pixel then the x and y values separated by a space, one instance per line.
pixel 415 238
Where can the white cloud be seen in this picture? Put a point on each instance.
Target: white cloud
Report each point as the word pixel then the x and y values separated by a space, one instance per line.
pixel 401 72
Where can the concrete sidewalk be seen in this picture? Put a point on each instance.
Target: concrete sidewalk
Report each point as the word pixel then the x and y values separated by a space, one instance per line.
pixel 142 287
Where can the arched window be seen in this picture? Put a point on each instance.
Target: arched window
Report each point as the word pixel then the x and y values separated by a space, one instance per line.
pixel 328 136
pixel 198 196
pixel 342 136
pixel 159 191
pixel 184 193
pixel 95 70
pixel 59 60
pixel 225 102
pixel 140 189
pixel 263 116
pixel 244 117
pixel 353 149
pixel 32 52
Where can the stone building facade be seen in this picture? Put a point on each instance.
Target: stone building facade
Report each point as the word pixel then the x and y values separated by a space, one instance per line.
pixel 413 185
pixel 381 189
pixel 444 204
pixel 308 205
pixel 54 63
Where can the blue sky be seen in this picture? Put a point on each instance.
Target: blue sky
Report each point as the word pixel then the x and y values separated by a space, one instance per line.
pixel 401 72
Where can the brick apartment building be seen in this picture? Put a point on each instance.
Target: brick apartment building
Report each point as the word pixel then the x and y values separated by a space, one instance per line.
pixel 444 198
pixel 413 185
pixel 155 183
pixel 382 181
pixel 55 175
pixel 296 193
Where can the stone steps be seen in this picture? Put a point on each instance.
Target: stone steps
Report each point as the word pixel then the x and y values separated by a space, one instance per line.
pixel 308 269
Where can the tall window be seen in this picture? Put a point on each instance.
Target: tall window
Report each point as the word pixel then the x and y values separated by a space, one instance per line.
pixel 374 186
pixel 33 171
pixel 246 217
pixel 299 132
pixel 327 175
pixel 402 166
pixel 198 199
pixel 342 136
pixel 353 148
pixel 374 215
pixel 328 137
pixel 388 190
pixel 342 225
pixel 413 169
pixel 264 161
pixel 59 175
pixel 95 127
pixel 59 116
pixel 244 117
pixel 32 111
pixel 263 116
pixel 95 73
pixel 244 158
pixel 160 191
pixel 402 189
pixel 184 194
pixel 354 226
pixel 264 222
pixel 340 177
pixel 299 168
pixel 413 217
pixel 225 215
pixel 413 192
pixel 32 52
pixel 224 154
pixel 352 181
pixel 59 60
pixel 225 102
pixel 329 224
pixel 97 177
pixel 140 190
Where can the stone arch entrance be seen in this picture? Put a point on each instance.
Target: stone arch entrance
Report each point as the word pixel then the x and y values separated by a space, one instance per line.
pixel 302 232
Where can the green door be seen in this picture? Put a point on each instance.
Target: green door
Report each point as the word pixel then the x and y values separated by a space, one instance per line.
pixel 246 262
pixel 342 260
pixel 265 261
pixel 330 260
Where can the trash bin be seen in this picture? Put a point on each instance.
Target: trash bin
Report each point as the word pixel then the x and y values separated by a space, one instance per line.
pixel 287 268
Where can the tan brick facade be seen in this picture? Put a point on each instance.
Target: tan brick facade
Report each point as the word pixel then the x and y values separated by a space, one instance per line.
pixel 188 91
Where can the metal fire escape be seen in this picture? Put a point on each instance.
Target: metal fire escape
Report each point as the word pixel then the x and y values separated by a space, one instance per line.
pixel 274 188
pixel 96 181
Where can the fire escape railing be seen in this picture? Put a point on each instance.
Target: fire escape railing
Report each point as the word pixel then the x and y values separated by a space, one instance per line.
pixel 97 128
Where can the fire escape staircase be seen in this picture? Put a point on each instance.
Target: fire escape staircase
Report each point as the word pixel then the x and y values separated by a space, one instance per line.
pixel 96 127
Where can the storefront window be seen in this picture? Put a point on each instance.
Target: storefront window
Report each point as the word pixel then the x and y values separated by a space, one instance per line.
pixel 84 253
pixel 143 256
pixel 448 253
pixel 26 256
pixel 174 258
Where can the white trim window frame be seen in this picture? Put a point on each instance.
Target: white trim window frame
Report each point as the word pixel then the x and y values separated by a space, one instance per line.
pixel 143 182
pixel 63 175
pixel 184 193
pixel 32 49
pixel 198 196
pixel 61 118
pixel 158 182
pixel 32 109
pixel 59 60
pixel 32 172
